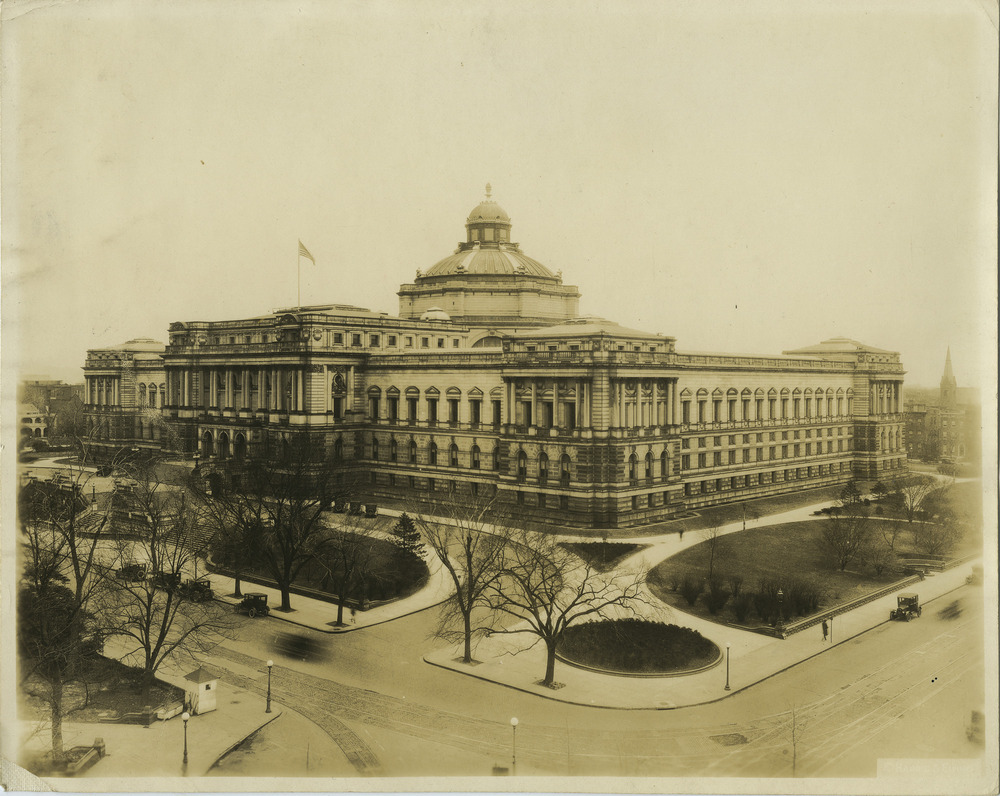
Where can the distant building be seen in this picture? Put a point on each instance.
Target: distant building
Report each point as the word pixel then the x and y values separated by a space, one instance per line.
pixel 489 382
pixel 60 403
pixel 945 429
pixel 32 423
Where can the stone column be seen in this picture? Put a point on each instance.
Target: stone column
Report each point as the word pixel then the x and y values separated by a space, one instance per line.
pixel 534 404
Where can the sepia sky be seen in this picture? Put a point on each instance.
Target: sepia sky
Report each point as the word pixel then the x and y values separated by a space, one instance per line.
pixel 746 177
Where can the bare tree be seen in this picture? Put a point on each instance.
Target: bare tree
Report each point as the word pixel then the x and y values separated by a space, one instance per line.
pixel 469 539
pixel 549 589
pixel 61 619
pixel 712 537
pixel 913 491
pixel 845 534
pixel 157 528
pixel 348 557
pixel 877 550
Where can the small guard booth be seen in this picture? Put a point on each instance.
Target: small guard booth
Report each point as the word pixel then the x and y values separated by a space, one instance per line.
pixel 201 691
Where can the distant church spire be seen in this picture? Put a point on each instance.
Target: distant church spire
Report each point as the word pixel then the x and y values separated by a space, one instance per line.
pixel 949 387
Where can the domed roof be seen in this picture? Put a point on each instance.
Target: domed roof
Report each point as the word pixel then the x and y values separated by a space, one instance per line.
pixel 435 314
pixel 507 260
pixel 488 210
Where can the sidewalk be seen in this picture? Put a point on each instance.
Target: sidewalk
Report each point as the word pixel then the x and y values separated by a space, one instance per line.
pixel 158 750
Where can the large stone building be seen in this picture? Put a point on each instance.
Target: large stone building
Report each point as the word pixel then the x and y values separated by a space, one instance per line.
pixel 490 381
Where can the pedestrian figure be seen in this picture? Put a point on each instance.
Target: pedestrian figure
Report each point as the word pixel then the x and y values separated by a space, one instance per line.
pixel 826 630
pixel 354 618
pixel 682 533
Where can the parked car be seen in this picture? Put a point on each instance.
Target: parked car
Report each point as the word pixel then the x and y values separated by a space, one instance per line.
pixel 132 572
pixel 907 607
pixel 253 604
pixel 168 581
pixel 197 591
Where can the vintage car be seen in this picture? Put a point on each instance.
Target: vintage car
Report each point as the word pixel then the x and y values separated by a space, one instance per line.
pixel 907 607
pixel 253 604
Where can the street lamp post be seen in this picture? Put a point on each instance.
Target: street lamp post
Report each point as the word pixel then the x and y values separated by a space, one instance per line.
pixel 269 665
pixel 781 599
pixel 727 666
pixel 513 760
pixel 185 717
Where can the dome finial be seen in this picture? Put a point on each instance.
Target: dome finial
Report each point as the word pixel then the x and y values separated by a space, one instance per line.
pixel 489 190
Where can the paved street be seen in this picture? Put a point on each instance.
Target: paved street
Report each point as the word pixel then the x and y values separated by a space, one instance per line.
pixel 393 715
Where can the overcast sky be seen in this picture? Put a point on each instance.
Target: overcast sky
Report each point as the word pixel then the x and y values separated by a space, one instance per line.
pixel 746 177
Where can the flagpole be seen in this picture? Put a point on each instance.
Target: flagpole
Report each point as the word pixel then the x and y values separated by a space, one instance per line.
pixel 298 287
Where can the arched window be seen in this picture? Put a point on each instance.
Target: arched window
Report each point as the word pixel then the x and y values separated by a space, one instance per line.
pixel 474 457
pixel 496 457
pixel 240 447
pixel 564 470
pixel 413 451
pixel 522 465
pixel 543 468
pixel 649 466
pixel 338 450
pixel 393 453
pixel 223 445
pixel 142 395
pixel 453 455
pixel 207 444
pixel 664 467
pixel 633 467
pixel 433 453
pixel 375 447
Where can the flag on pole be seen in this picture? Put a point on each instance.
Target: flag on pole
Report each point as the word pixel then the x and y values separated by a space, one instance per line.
pixel 304 252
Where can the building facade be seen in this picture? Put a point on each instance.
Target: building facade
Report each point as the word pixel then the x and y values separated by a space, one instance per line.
pixel 124 394
pixel 945 430
pixel 488 382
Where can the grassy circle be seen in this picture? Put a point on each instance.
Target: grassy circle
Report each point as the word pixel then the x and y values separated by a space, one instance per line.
pixel 636 646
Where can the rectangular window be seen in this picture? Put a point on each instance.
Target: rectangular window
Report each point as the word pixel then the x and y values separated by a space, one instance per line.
pixel 393 409
pixel 338 338
pixel 685 411
pixel 453 410
pixel 731 409
pixel 432 410
pixel 784 451
pixel 391 341
pixel 771 453
pixel 541 500
pixel 717 440
pixel 746 455
pixel 732 457
pixel 716 411
pixel 759 455
pixel 440 341
pixel 635 502
pixel 701 460
pixel 373 407
pixel 796 449
pixel 717 458
pixel 425 342
pixel 475 412
pixel 430 484
pixel 497 412
pixel 454 342
pixel 649 500
pixel 355 339
pixel 686 462
pixel 408 341
pixel 701 411
pixel 686 443
pixel 411 409
pixel 373 340
pixel 702 442
pixel 759 407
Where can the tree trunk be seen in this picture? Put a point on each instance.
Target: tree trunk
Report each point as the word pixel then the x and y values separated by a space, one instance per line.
pixel 237 592
pixel 467 658
pixel 55 711
pixel 147 685
pixel 286 598
pixel 340 607
pixel 550 664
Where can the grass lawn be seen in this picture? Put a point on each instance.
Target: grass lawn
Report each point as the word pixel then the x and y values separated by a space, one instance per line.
pixel 603 556
pixel 780 553
pixel 636 646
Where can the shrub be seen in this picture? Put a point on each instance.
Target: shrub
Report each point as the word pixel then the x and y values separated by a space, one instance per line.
pixel 690 589
pixel 741 605
pixel 636 645
pixel 716 597
pixel 735 584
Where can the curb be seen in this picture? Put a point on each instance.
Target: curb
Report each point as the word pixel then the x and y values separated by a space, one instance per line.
pixel 241 740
